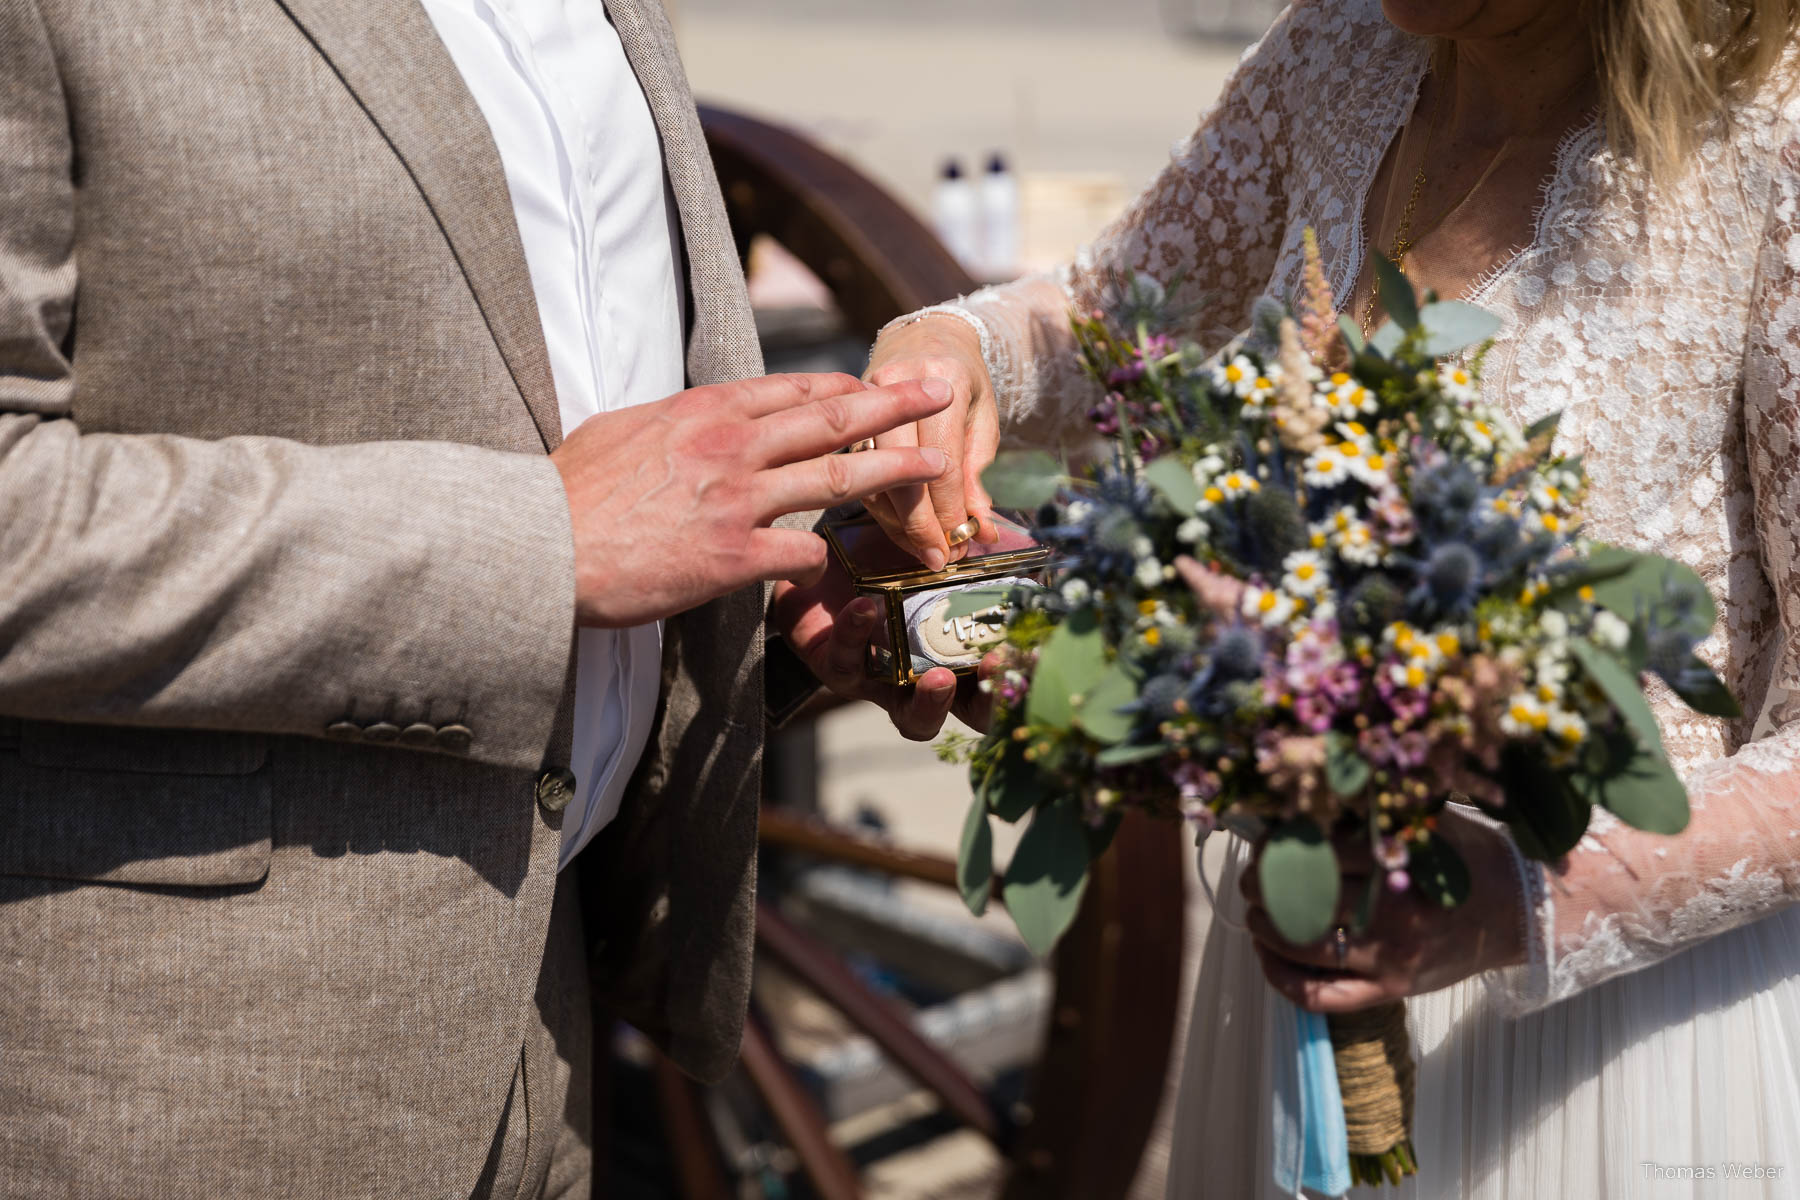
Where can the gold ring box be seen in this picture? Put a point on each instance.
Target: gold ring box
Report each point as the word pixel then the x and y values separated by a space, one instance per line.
pixel 917 633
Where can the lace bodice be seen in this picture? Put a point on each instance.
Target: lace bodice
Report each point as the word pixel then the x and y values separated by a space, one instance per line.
pixel 1665 323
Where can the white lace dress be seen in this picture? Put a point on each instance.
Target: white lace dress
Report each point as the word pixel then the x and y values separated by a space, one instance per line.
pixel 1656 1036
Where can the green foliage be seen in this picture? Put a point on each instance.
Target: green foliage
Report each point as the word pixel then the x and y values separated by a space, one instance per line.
pixel 1396 290
pixel 1621 688
pixel 975 858
pixel 1450 326
pixel 1070 664
pixel 1346 772
pixel 1298 874
pixel 1634 584
pixel 1641 789
pixel 1098 713
pixel 1013 787
pixel 1126 755
pixel 1547 816
pixel 1710 696
pixel 1174 482
pixel 1023 479
pixel 1048 874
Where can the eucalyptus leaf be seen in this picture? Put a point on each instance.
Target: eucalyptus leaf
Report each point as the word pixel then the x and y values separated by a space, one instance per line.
pixel 1125 756
pixel 1070 664
pixel 977 600
pixel 1300 882
pixel 1621 687
pixel 1098 713
pixel 1646 794
pixel 1451 326
pixel 1346 771
pixel 1023 479
pixel 1174 482
pixel 1015 787
pixel 975 858
pixel 1353 337
pixel 1546 815
pixel 1397 295
pixel 1710 697
pixel 1048 874
pixel 1645 585
pixel 1543 425
pixel 1382 343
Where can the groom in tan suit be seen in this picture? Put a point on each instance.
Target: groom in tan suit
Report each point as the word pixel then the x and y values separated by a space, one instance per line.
pixel 293 552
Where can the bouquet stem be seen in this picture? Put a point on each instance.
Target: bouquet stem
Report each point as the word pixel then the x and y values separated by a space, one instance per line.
pixel 1375 1076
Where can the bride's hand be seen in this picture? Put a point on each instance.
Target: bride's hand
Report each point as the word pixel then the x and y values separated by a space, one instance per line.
pixel 1414 945
pixel 968 432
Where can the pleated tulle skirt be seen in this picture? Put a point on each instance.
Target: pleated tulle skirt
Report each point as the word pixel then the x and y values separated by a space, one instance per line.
pixel 1680 1080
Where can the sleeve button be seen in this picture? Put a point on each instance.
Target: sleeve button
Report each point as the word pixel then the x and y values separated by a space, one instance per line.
pixel 344 731
pixel 555 789
pixel 455 738
pixel 419 734
pixel 381 731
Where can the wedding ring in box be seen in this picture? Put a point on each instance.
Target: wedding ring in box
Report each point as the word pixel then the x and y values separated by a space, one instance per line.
pixel 918 633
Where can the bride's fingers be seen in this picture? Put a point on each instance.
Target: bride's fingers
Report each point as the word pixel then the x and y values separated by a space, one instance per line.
pixel 1322 994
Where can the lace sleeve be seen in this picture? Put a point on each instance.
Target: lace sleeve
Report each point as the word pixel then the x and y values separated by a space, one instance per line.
pixel 1626 900
pixel 1213 219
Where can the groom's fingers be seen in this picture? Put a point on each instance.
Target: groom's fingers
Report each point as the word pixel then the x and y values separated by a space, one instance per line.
pixel 1322 994
pixel 920 714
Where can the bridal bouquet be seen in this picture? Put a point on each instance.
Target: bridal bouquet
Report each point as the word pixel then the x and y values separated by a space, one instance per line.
pixel 1384 604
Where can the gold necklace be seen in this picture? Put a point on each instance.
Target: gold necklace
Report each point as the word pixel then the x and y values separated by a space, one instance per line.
pixel 1404 240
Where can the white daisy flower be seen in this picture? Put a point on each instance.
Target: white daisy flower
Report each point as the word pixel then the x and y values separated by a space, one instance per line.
pixel 1567 727
pixel 1357 545
pixel 1149 573
pixel 1611 630
pixel 1305 573
pixel 1345 398
pixel 1076 592
pixel 1325 468
pixel 1236 484
pixel 1525 716
pixel 1192 531
pixel 1237 376
pixel 1457 383
pixel 1268 606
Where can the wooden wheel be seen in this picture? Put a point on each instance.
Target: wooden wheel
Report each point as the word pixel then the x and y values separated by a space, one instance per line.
pixel 1097 1082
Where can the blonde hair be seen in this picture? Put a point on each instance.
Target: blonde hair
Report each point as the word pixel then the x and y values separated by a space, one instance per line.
pixel 1671 69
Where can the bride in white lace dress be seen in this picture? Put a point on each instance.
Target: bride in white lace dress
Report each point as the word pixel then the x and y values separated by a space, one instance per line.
pixel 1640 1019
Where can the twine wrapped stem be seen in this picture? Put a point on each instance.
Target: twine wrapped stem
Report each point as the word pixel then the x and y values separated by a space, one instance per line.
pixel 1376 1075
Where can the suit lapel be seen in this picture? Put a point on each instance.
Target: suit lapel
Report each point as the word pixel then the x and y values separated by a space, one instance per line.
pixel 390 57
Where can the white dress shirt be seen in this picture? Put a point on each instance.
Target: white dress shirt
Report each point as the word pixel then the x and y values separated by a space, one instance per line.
pixel 584 166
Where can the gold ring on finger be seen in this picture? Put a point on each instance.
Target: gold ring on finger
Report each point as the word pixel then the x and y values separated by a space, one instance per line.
pixel 865 444
pixel 1340 942
pixel 963 533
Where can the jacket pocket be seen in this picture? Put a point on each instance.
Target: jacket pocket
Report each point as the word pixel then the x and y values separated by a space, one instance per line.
pixel 137 806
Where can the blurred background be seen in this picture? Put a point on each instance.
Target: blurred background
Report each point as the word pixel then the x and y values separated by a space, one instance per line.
pixel 1015 129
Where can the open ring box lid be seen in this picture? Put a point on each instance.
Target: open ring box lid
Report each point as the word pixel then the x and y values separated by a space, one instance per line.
pixel 913 597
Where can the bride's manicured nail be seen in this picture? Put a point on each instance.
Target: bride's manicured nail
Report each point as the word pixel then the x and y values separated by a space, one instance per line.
pixel 938 389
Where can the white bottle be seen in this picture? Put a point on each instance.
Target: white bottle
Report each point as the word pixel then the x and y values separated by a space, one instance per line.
pixel 956 212
pixel 999 221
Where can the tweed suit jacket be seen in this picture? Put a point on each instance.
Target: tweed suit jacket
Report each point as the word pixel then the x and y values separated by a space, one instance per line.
pixel 286 604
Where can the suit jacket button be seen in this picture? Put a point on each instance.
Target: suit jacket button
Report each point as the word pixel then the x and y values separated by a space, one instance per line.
pixel 555 789
pixel 381 731
pixel 419 734
pixel 455 738
pixel 344 731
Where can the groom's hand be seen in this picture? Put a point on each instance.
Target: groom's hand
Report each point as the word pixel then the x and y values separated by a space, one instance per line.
pixel 672 502
pixel 830 629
